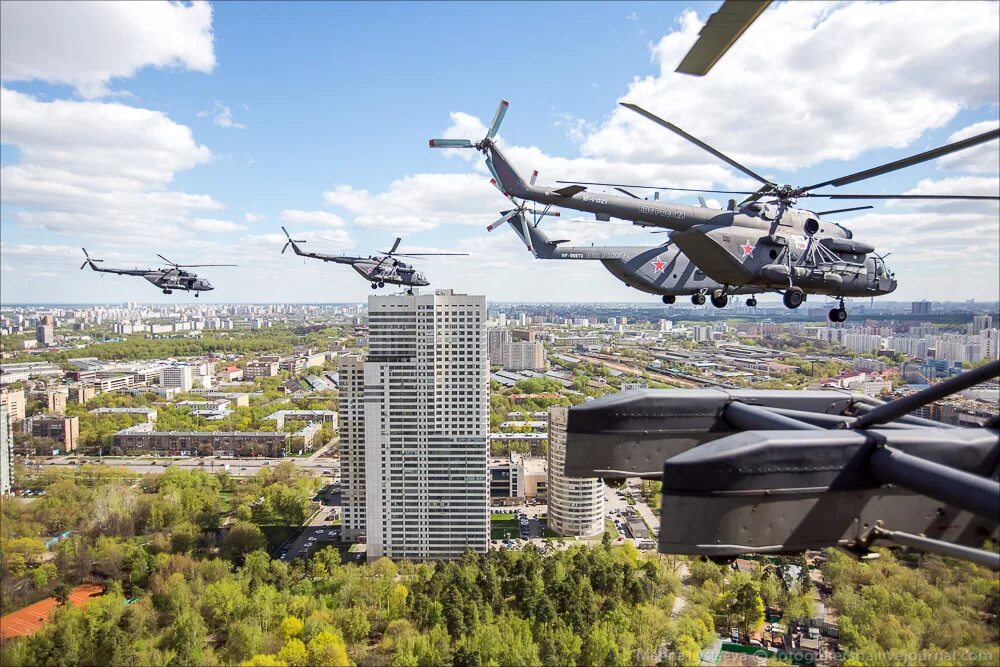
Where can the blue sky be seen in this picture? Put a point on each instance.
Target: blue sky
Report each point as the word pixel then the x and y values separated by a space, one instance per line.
pixel 316 115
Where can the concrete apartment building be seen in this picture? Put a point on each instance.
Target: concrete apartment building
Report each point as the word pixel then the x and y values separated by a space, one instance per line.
pixel 425 428
pixel 524 356
pixel 142 439
pixel 81 393
pixel 64 430
pixel 260 369
pixel 53 400
pixel 14 401
pixel 576 504
pixel 177 377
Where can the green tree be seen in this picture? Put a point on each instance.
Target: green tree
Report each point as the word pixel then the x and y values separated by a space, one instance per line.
pixel 294 653
pixel 327 649
pixel 242 539
pixel 290 628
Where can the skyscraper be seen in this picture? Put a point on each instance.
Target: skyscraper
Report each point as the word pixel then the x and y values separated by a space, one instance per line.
pixel 576 504
pixel 6 451
pixel 424 422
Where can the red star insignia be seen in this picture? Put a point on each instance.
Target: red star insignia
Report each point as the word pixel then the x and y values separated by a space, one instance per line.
pixel 658 265
pixel 747 250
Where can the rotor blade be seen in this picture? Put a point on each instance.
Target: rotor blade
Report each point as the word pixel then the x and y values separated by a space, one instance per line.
pixel 506 216
pixel 497 119
pixel 527 236
pixel 166 260
pixel 624 191
pixel 968 197
pixel 764 189
pixel 534 175
pixel 285 248
pixel 451 143
pixel 430 254
pixel 86 254
pixel 694 140
pixel 657 187
pixel 286 233
pixel 191 266
pixel 496 177
pixel 909 161
pixel 719 33
pixel 394 246
pixel 83 265
pixel 843 210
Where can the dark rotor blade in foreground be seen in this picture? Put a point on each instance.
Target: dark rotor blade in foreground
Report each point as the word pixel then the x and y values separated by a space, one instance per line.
pixel 656 187
pixel 909 161
pixel 719 33
pixel 694 140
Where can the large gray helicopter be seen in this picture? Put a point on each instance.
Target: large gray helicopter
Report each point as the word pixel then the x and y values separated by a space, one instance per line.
pixel 380 269
pixel 662 270
pixel 168 280
pixel 767 246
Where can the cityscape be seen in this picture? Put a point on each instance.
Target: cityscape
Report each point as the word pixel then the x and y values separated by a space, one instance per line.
pixel 416 428
pixel 498 334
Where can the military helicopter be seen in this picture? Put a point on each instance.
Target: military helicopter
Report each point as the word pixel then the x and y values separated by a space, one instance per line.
pixel 168 280
pixel 380 269
pixel 662 269
pixel 767 246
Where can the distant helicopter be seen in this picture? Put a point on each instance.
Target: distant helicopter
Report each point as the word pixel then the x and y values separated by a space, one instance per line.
pixel 168 280
pixel 662 269
pixel 380 269
pixel 765 246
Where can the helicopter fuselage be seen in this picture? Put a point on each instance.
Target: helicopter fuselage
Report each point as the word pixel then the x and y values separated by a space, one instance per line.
pixel 377 271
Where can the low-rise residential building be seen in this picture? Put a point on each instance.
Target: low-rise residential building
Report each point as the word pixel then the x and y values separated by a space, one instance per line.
pixel 141 439
pixel 81 392
pixel 64 430
pixel 309 416
pixel 53 400
pixel 260 369
pixel 148 413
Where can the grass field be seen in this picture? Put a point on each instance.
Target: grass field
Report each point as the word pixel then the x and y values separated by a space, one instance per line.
pixel 504 527
pixel 609 527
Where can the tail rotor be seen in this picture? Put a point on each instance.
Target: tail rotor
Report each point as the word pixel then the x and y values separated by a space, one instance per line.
pixel 290 240
pixel 89 260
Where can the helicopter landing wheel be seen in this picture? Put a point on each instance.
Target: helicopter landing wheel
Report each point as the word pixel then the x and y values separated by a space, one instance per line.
pixel 381 283
pixel 374 285
pixel 793 297
pixel 196 295
pixel 669 299
pixel 837 314
pixel 719 299
pixel 698 299
pixel 409 292
pixel 751 302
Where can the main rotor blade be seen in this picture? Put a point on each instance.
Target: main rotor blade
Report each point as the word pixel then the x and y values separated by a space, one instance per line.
pixel 166 260
pixel 966 197
pixel 430 254
pixel 657 187
pixel 694 140
pixel 908 161
pixel 451 143
pixel 843 210
pixel 191 266
pixel 497 119
pixel 719 33
pixel 624 191
pixel 506 216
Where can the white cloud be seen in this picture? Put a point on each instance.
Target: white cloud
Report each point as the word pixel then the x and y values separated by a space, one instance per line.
pixel 98 167
pixel 294 216
pixel 982 159
pixel 212 226
pixel 87 44
pixel 252 217
pixel 793 91
pixel 222 116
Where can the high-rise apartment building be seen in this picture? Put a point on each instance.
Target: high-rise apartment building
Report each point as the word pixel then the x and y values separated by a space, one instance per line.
pixel 425 427
pixel 920 308
pixel 45 334
pixel 576 504
pixel 523 356
pixel 351 369
pixel 6 451
pixel 496 340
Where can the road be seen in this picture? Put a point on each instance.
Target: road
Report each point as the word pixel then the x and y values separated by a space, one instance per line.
pixel 236 467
